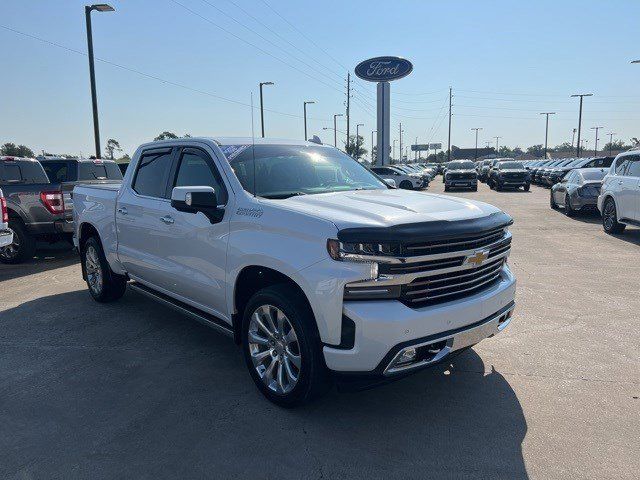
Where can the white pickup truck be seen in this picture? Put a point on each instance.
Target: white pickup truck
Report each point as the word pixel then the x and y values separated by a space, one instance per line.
pixel 314 265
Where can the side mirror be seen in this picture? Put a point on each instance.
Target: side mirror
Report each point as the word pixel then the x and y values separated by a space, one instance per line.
pixel 391 182
pixel 197 199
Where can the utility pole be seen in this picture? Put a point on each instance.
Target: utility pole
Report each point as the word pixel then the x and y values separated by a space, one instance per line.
pixel 416 153
pixel 348 104
pixel 595 147
pixel 373 160
pixel 546 132
pixel 581 95
pixel 358 139
pixel 394 148
pixel 305 118
pixel 262 106
pixel 92 73
pixel 475 155
pixel 335 129
pixel 497 138
pixel 449 140
pixel 611 141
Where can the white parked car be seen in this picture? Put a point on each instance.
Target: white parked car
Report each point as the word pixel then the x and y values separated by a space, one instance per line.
pixel 311 263
pixel 6 235
pixel 406 180
pixel 619 200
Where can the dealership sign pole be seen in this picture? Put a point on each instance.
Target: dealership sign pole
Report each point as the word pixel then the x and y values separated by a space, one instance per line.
pixel 383 70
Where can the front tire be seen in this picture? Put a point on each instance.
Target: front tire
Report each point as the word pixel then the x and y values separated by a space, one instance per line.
pixel 552 202
pixel 282 347
pixel 104 285
pixel 568 209
pixel 406 185
pixel 610 217
pixel 527 187
pixel 23 247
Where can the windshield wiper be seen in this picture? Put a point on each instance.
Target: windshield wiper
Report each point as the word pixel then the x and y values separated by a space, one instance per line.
pixel 280 196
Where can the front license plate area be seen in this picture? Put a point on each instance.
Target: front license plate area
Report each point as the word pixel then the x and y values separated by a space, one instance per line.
pixel 474 335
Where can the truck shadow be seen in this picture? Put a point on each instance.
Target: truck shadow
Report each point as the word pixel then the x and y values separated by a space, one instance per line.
pixel 133 389
pixel 47 257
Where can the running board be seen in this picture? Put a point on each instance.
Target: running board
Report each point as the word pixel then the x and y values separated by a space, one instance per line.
pixel 195 313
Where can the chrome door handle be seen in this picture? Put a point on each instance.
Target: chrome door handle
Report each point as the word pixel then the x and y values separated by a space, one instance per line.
pixel 122 210
pixel 167 220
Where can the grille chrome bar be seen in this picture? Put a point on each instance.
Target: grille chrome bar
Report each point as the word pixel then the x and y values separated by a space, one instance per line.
pixel 491 266
pixel 457 292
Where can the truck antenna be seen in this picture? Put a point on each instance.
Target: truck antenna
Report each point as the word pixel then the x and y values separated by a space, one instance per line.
pixel 253 148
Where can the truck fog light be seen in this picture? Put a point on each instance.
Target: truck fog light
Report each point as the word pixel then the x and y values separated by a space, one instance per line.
pixel 408 355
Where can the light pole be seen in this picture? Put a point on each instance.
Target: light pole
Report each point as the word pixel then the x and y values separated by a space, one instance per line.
pixel 581 95
pixel 595 147
pixel 335 129
pixel 394 147
pixel 358 138
pixel 373 160
pixel 400 149
pixel 262 106
pixel 546 131
pixel 573 137
pixel 497 138
pixel 475 155
pixel 305 118
pixel 611 134
pixel 101 7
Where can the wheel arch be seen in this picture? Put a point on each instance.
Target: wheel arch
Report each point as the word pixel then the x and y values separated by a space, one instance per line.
pixel 250 280
pixel 85 231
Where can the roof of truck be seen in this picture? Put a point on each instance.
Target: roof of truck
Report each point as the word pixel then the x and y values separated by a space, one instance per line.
pixel 241 141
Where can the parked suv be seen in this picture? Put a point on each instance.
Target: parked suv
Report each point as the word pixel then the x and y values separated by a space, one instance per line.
pixel 303 256
pixel 6 235
pixel 35 208
pixel 619 200
pixel 509 174
pixel 408 181
pixel 461 174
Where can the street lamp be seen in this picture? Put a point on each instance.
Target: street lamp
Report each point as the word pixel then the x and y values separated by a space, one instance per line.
pixel 101 7
pixel 394 147
pixel 497 138
pixel 595 147
pixel 335 129
pixel 262 107
pixel 611 134
pixel 581 95
pixel 305 118
pixel 546 131
pixel 475 156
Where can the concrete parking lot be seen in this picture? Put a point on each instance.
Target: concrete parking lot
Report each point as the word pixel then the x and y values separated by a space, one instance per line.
pixel 133 390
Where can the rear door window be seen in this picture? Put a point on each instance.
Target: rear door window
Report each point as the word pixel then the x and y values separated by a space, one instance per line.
pixel 22 172
pixel 60 171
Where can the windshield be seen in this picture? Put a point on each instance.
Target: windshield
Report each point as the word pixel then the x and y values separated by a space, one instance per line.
pixel 282 171
pixel 509 165
pixel 461 166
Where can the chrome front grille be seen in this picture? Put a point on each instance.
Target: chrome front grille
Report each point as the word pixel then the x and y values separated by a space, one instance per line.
pixel 441 270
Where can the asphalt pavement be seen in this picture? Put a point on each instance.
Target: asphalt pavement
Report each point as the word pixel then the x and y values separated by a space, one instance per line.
pixel 134 390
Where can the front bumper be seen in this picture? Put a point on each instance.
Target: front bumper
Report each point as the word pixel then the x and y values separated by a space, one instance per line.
pixel 383 328
pixel 463 183
pixel 6 238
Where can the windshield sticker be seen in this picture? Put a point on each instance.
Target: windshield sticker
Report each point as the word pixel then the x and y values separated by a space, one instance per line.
pixel 232 151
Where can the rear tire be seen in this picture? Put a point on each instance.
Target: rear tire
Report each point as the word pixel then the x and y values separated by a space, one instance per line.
pixel 446 187
pixel 610 217
pixel 288 372
pixel 104 285
pixel 552 202
pixel 406 184
pixel 527 187
pixel 23 247
pixel 568 209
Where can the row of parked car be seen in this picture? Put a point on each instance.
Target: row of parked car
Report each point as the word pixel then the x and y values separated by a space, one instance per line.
pixel 36 200
pixel 409 176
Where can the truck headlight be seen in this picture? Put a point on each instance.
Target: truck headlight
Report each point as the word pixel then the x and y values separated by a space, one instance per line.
pixel 361 252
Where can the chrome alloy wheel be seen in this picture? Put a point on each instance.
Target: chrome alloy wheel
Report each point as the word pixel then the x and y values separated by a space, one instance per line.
pixel 274 349
pixel 94 270
pixel 609 215
pixel 11 251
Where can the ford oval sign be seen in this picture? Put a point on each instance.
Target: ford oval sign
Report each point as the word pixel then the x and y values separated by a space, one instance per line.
pixel 384 69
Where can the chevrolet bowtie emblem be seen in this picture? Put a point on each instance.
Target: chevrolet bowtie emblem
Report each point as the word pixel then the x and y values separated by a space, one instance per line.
pixel 477 258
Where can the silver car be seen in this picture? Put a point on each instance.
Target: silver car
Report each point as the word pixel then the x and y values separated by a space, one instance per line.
pixel 578 191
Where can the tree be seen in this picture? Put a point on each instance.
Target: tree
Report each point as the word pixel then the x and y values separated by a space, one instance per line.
pixel 112 147
pixel 355 147
pixel 635 142
pixel 565 147
pixel 124 159
pixel 537 150
pixel 166 135
pixel 616 145
pixel 11 150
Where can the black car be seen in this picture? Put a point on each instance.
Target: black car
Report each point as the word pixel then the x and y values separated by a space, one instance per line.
pixel 460 174
pixel 578 191
pixel 509 174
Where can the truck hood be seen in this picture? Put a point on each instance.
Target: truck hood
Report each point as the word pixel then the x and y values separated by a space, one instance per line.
pixel 385 208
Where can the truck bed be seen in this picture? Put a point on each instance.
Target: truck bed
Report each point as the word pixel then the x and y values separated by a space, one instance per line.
pixel 96 204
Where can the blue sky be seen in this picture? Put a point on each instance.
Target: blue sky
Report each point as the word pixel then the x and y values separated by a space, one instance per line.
pixel 506 61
